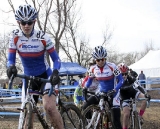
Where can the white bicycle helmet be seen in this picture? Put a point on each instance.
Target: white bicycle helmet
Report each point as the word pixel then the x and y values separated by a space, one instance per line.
pixel 99 52
pixel 26 13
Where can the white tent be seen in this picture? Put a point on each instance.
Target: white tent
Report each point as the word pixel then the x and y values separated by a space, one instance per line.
pixel 149 64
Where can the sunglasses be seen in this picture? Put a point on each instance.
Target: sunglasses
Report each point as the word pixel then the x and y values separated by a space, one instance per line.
pixel 124 74
pixel 23 23
pixel 98 60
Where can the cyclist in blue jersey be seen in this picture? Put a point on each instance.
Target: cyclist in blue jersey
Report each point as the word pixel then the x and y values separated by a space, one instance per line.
pixel 31 45
pixel 109 78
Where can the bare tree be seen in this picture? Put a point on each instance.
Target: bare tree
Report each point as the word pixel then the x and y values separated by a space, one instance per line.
pixel 61 19
pixel 3 54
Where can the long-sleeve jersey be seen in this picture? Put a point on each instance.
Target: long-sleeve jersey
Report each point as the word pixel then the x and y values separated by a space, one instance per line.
pixel 32 52
pixel 108 76
pixel 94 86
pixel 129 82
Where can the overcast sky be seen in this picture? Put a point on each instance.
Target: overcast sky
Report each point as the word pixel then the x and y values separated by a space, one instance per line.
pixel 133 22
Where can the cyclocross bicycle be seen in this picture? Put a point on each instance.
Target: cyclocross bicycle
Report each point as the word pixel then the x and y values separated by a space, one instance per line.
pixel 99 116
pixel 135 122
pixel 71 115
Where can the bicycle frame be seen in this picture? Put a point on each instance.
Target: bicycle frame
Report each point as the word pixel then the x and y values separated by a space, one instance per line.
pixel 102 113
pixel 29 99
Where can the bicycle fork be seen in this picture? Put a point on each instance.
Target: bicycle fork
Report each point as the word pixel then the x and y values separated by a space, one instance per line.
pixel 94 116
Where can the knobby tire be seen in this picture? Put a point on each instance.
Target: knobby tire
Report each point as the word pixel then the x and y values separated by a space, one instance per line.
pixel 26 117
pixel 137 124
pixel 72 117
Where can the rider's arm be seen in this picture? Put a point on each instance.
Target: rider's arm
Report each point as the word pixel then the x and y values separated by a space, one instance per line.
pixel 11 51
pixel 119 82
pixel 119 78
pixel 84 81
pixel 52 52
pixel 89 82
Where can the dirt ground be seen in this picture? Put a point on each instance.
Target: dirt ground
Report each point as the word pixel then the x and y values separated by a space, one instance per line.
pixel 151 116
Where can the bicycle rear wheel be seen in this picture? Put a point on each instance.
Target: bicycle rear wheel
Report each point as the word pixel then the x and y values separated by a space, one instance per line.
pixel 137 124
pixel 72 117
pixel 25 119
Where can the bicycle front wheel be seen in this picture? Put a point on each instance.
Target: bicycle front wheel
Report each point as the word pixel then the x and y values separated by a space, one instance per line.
pixel 72 117
pixel 25 120
pixel 90 115
pixel 137 124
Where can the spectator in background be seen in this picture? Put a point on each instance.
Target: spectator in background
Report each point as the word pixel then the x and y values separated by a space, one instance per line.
pixel 72 80
pixel 20 85
pixel 4 85
pixel 78 94
pixel 133 73
pixel 142 79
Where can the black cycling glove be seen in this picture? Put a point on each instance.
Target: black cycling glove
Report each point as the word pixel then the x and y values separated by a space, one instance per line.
pixel 147 96
pixel 11 70
pixel 55 79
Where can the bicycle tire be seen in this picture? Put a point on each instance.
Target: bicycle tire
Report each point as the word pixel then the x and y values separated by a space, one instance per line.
pixel 131 121
pixel 137 124
pixel 26 117
pixel 72 117
pixel 87 115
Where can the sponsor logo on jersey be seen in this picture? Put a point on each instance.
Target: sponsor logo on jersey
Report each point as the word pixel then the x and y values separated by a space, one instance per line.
pixel 24 40
pixel 34 40
pixel 49 44
pixel 23 45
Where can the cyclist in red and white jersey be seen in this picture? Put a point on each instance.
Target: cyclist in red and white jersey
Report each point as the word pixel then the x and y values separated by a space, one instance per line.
pixel 107 75
pixel 31 45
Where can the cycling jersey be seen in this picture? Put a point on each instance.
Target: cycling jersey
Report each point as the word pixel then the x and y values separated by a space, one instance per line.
pixel 94 86
pixel 32 52
pixel 109 77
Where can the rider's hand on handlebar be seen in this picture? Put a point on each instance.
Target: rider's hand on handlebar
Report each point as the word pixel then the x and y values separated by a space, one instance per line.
pixel 11 70
pixel 147 96
pixel 55 79
pixel 111 93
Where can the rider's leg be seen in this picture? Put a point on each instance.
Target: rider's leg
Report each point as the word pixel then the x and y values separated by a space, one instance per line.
pixel 116 113
pixel 91 100
pixel 49 103
pixel 126 114
pixel 143 104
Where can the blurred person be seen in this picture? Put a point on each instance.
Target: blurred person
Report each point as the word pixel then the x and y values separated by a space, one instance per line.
pixel 133 73
pixel 131 92
pixel 31 46
pixel 106 73
pixel 78 94
pixel 20 85
pixel 142 79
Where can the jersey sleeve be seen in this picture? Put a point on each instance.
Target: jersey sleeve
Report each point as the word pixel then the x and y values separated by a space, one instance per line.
pixel 52 52
pixel 119 78
pixel 11 50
